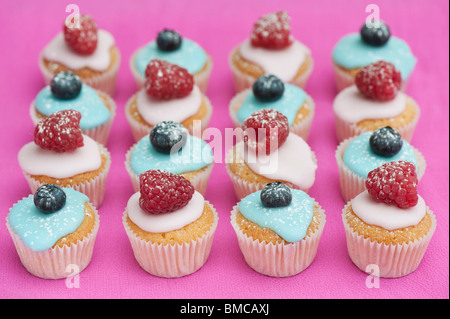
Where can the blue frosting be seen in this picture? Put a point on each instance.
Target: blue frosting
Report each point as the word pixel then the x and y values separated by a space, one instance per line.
pixel 189 56
pixel 289 104
pixel 93 112
pixel 290 222
pixel 41 231
pixel 359 157
pixel 194 155
pixel 352 52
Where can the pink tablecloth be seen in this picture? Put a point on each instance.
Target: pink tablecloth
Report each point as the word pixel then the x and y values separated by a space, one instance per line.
pixel 219 25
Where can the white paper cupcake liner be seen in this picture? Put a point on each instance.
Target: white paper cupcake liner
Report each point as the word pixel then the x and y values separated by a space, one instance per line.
pixel 346 129
pixel 201 78
pixel 352 184
pixel 242 187
pixel 244 81
pixel 301 129
pixel 139 130
pixel 199 181
pixel 393 261
pixel 105 82
pixel 93 188
pixel 99 133
pixel 53 263
pixel 279 260
pixel 172 261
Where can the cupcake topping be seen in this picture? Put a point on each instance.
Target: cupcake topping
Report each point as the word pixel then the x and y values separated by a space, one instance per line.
pixel 66 85
pixel 166 81
pixel 276 194
pixel 380 81
pixel 394 183
pixel 168 40
pixel 82 40
pixel 49 198
pixel 272 31
pixel 375 35
pixel 163 192
pixel 386 142
pixel 268 88
pixel 167 134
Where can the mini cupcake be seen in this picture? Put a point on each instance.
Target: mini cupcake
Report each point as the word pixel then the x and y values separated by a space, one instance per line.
pixel 169 95
pixel 171 47
pixel 271 49
pixel 67 92
pixel 375 101
pixel 86 51
pixel 267 153
pixel 170 226
pixel 278 229
pixel 269 92
pixel 359 155
pixel 170 148
pixel 53 229
pixel 61 155
pixel 389 226
pixel 372 44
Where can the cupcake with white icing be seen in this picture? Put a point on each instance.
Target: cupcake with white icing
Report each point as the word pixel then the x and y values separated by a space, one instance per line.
pixel 170 148
pixel 170 46
pixel 388 227
pixel 67 92
pixel 268 152
pixel 60 154
pixel 375 101
pixel 278 229
pixel 170 225
pixel 271 49
pixel 85 50
pixel 170 94
pixel 269 92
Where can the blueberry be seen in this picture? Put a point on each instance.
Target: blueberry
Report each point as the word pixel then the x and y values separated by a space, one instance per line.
pixel 49 198
pixel 168 40
pixel 276 194
pixel 386 141
pixel 268 88
pixel 376 36
pixel 167 134
pixel 65 85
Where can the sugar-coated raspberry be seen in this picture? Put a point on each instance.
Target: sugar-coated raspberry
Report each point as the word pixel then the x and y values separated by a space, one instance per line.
pixel 272 31
pixel 59 132
pixel 394 183
pixel 163 192
pixel 84 39
pixel 272 123
pixel 165 81
pixel 380 81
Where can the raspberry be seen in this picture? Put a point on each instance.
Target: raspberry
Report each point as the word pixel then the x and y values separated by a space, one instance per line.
pixel 394 183
pixel 59 132
pixel 165 81
pixel 84 39
pixel 379 81
pixel 272 31
pixel 163 192
pixel 275 125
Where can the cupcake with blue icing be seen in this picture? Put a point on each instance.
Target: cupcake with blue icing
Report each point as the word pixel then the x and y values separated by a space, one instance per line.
pixel 170 46
pixel 67 92
pixel 374 42
pixel 170 148
pixel 278 229
pixel 54 231
pixel 359 155
pixel 269 92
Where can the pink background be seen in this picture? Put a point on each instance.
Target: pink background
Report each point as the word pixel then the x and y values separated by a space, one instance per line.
pixel 218 26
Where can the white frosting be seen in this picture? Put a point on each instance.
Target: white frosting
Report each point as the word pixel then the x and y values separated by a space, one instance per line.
pixel 161 223
pixel 283 63
pixel 35 160
pixel 154 111
pixel 57 50
pixel 387 216
pixel 352 106
pixel 292 162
